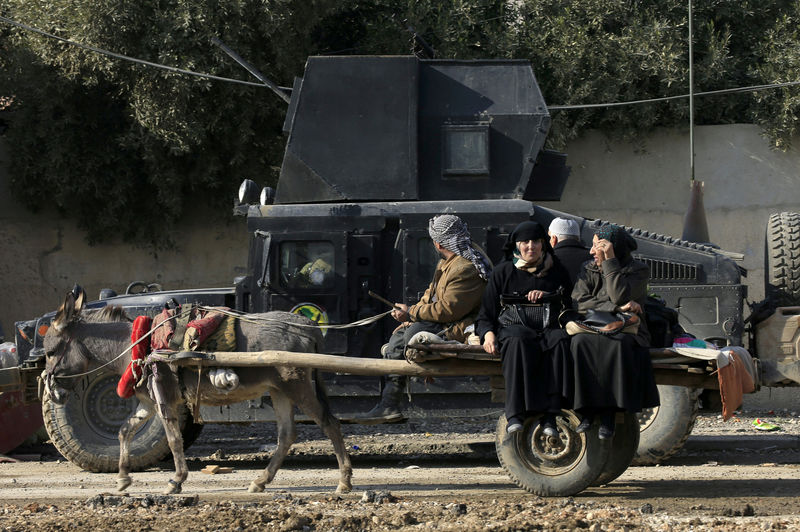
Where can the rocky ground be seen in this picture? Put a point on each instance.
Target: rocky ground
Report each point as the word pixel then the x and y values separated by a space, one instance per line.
pixel 424 475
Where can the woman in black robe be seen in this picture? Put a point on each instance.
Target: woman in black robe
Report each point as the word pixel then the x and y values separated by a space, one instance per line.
pixel 527 354
pixel 609 374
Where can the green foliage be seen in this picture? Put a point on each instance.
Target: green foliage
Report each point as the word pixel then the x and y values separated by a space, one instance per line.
pixel 614 51
pixel 777 110
pixel 127 150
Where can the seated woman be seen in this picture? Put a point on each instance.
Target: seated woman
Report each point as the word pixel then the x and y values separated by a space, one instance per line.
pixel 532 272
pixel 608 374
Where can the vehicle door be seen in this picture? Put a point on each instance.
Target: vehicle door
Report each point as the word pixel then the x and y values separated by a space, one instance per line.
pixel 419 263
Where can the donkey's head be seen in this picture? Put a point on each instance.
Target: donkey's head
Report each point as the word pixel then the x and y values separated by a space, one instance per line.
pixel 65 355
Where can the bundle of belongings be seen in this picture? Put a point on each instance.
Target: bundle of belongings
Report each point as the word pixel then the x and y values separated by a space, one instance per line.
pixel 601 322
pixel 211 329
pixel 425 338
pixel 182 329
pixel 736 372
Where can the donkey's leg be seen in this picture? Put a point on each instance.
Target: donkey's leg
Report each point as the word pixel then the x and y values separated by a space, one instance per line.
pixel 144 411
pixel 169 417
pixel 287 434
pixel 164 390
pixel 317 408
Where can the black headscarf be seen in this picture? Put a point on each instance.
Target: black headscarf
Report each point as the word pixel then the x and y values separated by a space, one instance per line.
pixel 620 239
pixel 523 232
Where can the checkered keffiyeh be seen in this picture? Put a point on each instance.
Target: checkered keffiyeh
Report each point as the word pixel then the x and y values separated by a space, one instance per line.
pixel 453 235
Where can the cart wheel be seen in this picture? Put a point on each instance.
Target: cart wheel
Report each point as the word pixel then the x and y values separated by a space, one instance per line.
pixel 551 466
pixel 623 449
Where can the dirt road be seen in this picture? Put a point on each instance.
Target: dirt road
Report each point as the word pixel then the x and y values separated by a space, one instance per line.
pixel 722 487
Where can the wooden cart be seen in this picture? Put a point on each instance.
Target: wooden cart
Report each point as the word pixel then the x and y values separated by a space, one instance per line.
pixel 541 464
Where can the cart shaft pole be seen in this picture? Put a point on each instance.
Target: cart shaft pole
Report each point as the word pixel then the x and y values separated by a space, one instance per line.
pixel 341 364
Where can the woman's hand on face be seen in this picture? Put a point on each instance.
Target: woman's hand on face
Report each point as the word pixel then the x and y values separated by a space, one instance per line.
pixel 602 250
pixel 490 343
pixel 631 306
pixel 607 248
pixel 534 295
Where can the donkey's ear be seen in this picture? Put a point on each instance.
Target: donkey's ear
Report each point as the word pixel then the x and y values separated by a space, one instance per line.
pixel 80 298
pixel 66 313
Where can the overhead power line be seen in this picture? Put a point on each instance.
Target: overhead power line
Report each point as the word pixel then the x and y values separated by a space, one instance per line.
pixel 128 58
pixel 752 88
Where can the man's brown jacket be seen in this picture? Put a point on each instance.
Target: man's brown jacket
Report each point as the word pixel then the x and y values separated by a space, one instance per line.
pixel 453 298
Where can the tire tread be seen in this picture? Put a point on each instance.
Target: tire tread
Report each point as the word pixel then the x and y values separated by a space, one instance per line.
pixel 782 254
pixel 88 455
pixel 688 418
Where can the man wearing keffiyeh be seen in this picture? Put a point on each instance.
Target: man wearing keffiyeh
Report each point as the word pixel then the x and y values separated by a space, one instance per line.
pixel 450 304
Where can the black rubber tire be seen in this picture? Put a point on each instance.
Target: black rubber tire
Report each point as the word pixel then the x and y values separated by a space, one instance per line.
pixel 85 429
pixel 623 449
pixel 190 432
pixel 665 429
pixel 550 468
pixel 782 259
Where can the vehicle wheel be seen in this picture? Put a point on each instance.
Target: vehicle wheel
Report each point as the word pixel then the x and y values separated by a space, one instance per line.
pixel 190 431
pixel 85 429
pixel 664 429
pixel 623 449
pixel 551 466
pixel 782 259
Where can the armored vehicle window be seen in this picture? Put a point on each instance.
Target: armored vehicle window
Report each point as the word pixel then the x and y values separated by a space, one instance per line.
pixel 306 264
pixel 466 150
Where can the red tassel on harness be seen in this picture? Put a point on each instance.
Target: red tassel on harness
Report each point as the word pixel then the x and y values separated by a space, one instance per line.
pixel 141 326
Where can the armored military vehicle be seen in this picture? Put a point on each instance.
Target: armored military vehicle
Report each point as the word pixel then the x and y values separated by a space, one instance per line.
pixel 375 147
pixel 460 137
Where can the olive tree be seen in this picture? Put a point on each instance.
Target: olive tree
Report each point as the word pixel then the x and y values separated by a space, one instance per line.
pixel 127 149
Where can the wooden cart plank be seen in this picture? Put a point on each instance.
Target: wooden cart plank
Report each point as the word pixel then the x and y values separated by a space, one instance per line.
pixel 665 373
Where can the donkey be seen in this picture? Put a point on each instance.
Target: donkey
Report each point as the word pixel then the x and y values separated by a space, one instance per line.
pixel 76 343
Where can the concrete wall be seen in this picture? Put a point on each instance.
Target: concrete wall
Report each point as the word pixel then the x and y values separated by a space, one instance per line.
pixel 42 255
pixel 644 185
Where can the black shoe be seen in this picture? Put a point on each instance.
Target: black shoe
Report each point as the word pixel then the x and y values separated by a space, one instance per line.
pixel 585 424
pixel 389 409
pixel 381 414
pixel 607 423
pixel 605 432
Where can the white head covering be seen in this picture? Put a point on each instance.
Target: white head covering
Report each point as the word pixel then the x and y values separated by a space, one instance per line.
pixel 452 233
pixel 564 227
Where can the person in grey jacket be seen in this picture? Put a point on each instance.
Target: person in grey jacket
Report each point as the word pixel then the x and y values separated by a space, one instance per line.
pixel 609 374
